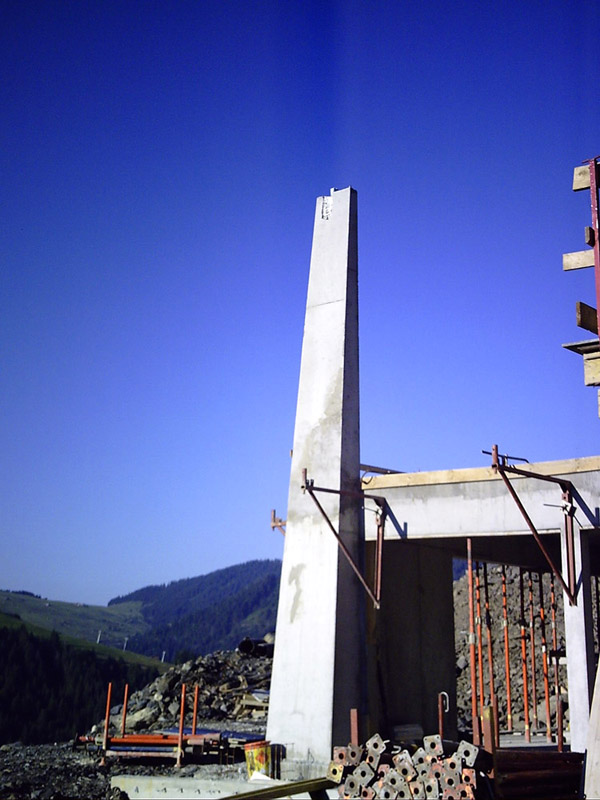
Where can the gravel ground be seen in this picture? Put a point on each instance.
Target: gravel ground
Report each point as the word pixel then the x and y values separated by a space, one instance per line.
pixel 51 772
pixel 57 772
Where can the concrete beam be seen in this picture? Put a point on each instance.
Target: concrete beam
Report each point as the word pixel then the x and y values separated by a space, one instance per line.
pixel 475 502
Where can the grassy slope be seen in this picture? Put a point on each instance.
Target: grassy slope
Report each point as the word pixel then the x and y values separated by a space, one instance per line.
pixel 102 651
pixel 76 619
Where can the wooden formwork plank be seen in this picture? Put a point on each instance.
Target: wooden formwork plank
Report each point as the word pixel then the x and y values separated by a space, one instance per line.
pixel 580 259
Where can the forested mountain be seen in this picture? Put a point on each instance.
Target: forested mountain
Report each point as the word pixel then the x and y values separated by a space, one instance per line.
pixel 49 690
pixel 200 614
pixel 196 616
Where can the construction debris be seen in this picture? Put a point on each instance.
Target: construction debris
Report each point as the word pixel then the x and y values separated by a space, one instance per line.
pixel 221 686
pixel 440 770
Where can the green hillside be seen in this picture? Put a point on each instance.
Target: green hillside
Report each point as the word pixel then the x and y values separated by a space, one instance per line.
pixel 77 619
pixel 184 618
pixel 8 621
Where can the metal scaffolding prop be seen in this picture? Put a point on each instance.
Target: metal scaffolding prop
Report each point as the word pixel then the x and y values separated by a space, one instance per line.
pixel 531 647
pixel 308 485
pixel 501 466
pixel 166 745
pixel 506 652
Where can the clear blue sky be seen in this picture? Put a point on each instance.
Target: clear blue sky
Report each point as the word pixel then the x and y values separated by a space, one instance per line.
pixel 160 164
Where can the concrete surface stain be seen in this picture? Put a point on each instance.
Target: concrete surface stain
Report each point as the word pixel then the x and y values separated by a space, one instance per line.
pixel 294 577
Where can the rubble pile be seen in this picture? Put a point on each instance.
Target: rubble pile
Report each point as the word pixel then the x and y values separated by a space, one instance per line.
pixel 437 770
pixel 231 686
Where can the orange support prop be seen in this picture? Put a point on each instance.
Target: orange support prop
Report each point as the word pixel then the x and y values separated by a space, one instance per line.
pixel 506 652
pixel 106 723
pixel 488 628
pixel 472 658
pixel 479 637
pixel 545 659
pixel 524 659
pixel 532 652
pixel 553 609
pixel 181 721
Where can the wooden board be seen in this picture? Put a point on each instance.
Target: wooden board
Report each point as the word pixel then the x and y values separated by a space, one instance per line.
pixel 587 317
pixel 591 369
pixel 578 260
pixel 581 178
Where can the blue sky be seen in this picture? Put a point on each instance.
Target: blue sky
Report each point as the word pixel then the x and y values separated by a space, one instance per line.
pixel 160 164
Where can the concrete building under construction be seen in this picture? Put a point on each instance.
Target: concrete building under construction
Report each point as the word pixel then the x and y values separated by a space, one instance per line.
pixel 365 621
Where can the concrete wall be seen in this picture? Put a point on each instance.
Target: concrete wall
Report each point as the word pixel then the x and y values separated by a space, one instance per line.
pixel 411 640
pixel 451 505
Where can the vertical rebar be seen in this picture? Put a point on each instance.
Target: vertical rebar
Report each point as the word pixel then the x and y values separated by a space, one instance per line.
pixel 474 711
pixel 532 652
pixel 441 710
pixel 545 659
pixel 354 726
pixel 379 552
pixel 195 714
pixel 479 638
pixel 554 637
pixel 557 694
pixel 488 629
pixel 125 699
pixel 559 723
pixel 524 658
pixel 506 652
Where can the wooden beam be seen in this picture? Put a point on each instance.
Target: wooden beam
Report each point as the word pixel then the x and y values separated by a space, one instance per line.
pixel 581 178
pixel 591 369
pixel 587 317
pixel 313 787
pixel 578 260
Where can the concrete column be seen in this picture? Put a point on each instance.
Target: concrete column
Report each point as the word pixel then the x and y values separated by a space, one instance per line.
pixel 579 639
pixel 318 663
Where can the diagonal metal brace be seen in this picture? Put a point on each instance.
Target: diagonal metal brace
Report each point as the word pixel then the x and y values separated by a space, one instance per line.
pixel 500 466
pixel 308 486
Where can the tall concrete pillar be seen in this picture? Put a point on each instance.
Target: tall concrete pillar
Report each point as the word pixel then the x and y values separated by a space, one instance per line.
pixel 579 640
pixel 318 667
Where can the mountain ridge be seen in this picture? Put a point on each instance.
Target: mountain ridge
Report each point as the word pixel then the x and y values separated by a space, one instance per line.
pixel 186 617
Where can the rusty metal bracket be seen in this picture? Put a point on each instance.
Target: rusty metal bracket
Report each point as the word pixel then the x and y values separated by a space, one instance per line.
pixel 308 485
pixel 277 522
pixel 500 465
